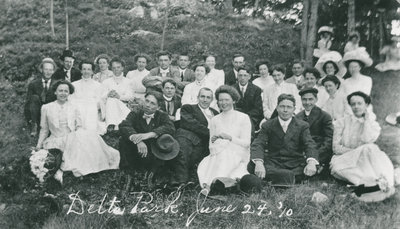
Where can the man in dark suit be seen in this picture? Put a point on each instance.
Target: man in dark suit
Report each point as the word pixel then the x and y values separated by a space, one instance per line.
pixel 250 101
pixel 297 78
pixel 39 92
pixel 68 72
pixel 186 74
pixel 171 102
pixel 231 75
pixel 277 153
pixel 320 123
pixel 193 134
pixel 139 131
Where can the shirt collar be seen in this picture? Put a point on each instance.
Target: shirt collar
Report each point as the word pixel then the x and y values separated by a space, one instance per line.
pixel 164 70
pixel 244 87
pixel 307 112
pixel 167 99
pixel 287 122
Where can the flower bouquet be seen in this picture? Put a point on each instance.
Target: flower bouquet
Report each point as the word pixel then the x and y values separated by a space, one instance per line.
pixel 46 163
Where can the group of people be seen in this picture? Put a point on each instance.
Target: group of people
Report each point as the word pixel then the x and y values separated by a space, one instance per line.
pixel 229 126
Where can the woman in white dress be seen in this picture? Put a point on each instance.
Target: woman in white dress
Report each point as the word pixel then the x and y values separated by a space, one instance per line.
pixel 216 77
pixel 265 79
pixel 102 61
pixel 88 99
pixel 136 76
pixel 311 77
pixel 191 90
pixel 84 151
pixel 229 144
pixel 356 158
pixel 353 43
pixel 336 105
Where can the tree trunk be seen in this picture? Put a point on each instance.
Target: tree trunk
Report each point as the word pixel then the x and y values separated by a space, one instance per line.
pixel 52 18
pixel 381 33
pixel 312 30
pixel 66 25
pixel 351 16
pixel 304 29
pixel 165 25
pixel 228 5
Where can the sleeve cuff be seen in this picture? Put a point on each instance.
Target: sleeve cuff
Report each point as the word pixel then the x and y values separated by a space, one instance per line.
pixel 312 159
pixel 255 160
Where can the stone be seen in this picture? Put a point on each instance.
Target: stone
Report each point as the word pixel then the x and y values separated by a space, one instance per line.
pixel 318 198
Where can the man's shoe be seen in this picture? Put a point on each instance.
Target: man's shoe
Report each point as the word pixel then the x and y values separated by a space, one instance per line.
pixel 110 128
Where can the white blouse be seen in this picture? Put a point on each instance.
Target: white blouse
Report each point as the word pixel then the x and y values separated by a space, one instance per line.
pixel 121 85
pixel 136 78
pixel 363 83
pixel 272 93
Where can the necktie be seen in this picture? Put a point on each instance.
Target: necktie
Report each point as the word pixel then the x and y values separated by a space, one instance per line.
pixel 44 92
pixel 68 75
pixel 182 75
pixel 284 127
pixel 243 92
pixel 148 117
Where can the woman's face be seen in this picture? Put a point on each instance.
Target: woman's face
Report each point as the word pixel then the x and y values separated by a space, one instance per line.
pixel 210 62
pixel 225 102
pixel 330 87
pixel 87 71
pixel 200 73
pixel 103 64
pixel 330 69
pixel 141 63
pixel 263 69
pixel 278 76
pixel 62 92
pixel 354 67
pixel 358 106
pixel 310 79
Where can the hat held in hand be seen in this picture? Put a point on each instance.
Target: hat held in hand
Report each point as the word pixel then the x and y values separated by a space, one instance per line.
pixel 165 147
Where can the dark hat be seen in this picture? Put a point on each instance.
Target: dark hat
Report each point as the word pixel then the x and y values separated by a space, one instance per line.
pixel 67 53
pixel 308 90
pixel 165 147
pixel 250 184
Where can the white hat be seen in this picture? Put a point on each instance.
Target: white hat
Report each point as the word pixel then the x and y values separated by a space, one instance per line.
pixel 359 54
pixel 392 119
pixel 325 29
pixel 47 60
pixel 334 57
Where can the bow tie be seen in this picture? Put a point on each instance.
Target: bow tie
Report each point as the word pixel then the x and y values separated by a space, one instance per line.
pixel 146 116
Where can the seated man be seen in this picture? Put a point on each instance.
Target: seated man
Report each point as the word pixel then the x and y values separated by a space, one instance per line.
pixel 250 101
pixel 193 134
pixel 231 75
pixel 139 131
pixel 297 78
pixel 277 153
pixel 164 71
pixel 186 74
pixel 320 122
pixel 171 102
pixel 68 72
pixel 39 92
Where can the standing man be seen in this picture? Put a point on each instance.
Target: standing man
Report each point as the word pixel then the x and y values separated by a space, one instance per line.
pixel 68 72
pixel 250 101
pixel 193 135
pixel 186 74
pixel 164 71
pixel 39 92
pixel 320 123
pixel 231 75
pixel 277 153
pixel 297 78
pixel 171 101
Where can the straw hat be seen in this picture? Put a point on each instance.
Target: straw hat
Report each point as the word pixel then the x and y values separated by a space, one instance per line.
pixel 359 54
pixel 327 29
pixel 47 60
pixel 393 119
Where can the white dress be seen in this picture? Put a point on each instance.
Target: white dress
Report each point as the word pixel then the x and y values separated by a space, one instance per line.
pixel 136 78
pixel 263 83
pixel 84 151
pixel 101 76
pixel 116 110
pixel 363 83
pixel 337 106
pixel 358 160
pixel 323 96
pixel 88 99
pixel 216 78
pixel 227 159
pixel 272 93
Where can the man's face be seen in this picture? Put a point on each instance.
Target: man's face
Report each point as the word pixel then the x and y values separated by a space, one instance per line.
pixel 150 105
pixel 238 62
pixel 141 63
pixel 278 76
pixel 48 70
pixel 169 90
pixel 243 77
pixel 297 69
pixel 285 109
pixel 117 68
pixel 308 101
pixel 183 62
pixel 68 62
pixel 164 62
pixel 87 71
pixel 205 97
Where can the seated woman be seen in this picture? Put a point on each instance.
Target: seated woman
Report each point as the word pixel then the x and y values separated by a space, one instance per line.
pixel 102 61
pixel 356 158
pixel 88 99
pixel 215 77
pixel 336 105
pixel 84 151
pixel 265 78
pixel 136 76
pixel 229 144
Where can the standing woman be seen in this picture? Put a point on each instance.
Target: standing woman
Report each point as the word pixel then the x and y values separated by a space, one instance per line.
pixel 336 105
pixel 84 151
pixel 357 159
pixel 136 76
pixel 354 61
pixel 229 144
pixel 88 99
pixel 265 78
pixel 215 77
pixel 102 61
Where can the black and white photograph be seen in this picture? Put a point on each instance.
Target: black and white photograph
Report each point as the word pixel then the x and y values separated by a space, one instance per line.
pixel 199 114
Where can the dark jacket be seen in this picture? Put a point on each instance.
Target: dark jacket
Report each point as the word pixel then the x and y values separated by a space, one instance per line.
pixel 61 74
pixel 251 103
pixel 36 88
pixel 230 77
pixel 177 104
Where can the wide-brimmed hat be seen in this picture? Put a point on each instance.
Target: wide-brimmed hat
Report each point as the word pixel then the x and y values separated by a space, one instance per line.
pixel 165 147
pixel 334 57
pixel 393 119
pixel 359 54
pixel 67 53
pixel 250 184
pixel 47 60
pixel 326 29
